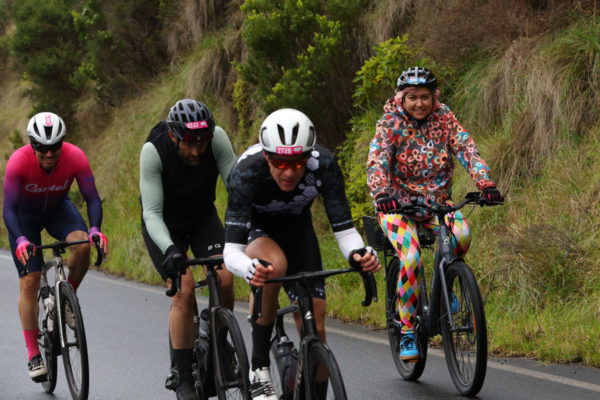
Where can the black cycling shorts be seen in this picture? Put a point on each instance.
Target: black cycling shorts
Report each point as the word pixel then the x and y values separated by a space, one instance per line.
pixel 299 243
pixel 204 235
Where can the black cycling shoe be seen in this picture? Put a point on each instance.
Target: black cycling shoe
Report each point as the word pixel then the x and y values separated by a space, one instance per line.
pixel 186 391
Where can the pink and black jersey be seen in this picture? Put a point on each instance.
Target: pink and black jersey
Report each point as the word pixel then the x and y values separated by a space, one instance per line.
pixel 31 190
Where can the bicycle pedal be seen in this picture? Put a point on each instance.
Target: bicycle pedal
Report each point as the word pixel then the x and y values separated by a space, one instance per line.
pixel 171 382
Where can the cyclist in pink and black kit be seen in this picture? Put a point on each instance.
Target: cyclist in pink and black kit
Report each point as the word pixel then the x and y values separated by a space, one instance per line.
pixel 36 185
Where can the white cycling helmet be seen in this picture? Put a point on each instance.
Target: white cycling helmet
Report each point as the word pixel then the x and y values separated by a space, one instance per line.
pixel 46 128
pixel 287 132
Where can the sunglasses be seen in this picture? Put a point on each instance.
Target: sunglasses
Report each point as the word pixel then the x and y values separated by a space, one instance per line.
pixel 192 133
pixel 283 164
pixel 44 148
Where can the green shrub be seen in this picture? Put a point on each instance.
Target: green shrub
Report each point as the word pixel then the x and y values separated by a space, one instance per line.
pixel 48 52
pixel 303 55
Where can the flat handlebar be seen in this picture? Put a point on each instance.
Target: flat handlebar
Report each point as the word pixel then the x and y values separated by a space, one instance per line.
pixel 443 208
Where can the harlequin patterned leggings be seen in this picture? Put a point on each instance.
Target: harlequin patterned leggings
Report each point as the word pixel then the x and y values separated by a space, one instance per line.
pixel 402 233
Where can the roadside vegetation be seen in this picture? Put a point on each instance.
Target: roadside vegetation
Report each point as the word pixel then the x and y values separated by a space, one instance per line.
pixel 523 79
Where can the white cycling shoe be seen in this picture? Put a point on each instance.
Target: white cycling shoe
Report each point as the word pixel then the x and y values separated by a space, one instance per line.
pixel 261 385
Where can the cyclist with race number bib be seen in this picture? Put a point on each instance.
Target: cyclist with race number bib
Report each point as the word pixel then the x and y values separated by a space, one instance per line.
pixel 36 186
pixel 268 223
pixel 179 166
pixel 410 162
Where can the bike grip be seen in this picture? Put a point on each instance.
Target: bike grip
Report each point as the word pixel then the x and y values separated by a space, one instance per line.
pixel 370 288
pixel 257 306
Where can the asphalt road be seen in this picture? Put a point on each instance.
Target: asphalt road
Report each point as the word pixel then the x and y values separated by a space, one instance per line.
pixel 126 326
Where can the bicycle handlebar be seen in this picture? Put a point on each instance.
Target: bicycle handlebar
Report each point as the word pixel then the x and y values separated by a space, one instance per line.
pixel 60 246
pixel 443 209
pixel 368 279
pixel 208 262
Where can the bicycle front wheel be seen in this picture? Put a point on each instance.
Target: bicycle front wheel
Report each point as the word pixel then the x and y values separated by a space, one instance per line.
pixel 74 346
pixel 409 370
pixel 230 358
pixel 323 379
pixel 48 342
pixel 465 339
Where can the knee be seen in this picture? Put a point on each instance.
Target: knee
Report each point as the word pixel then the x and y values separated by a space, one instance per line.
pixel 30 284
pixel 183 302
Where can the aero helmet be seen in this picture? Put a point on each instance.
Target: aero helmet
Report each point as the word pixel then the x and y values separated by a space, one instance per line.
pixel 191 121
pixel 287 132
pixel 46 128
pixel 417 76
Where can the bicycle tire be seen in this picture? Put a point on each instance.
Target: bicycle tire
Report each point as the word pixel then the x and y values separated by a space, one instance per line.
pixel 409 370
pixel 74 351
pixel 47 341
pixel 465 346
pixel 230 359
pixel 321 361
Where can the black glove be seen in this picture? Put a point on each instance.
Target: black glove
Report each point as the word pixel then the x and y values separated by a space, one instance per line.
pixel 173 262
pixel 492 196
pixel 386 203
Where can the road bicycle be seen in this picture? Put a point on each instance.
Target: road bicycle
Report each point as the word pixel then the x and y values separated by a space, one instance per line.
pixel 220 362
pixel 61 334
pixel 453 308
pixel 295 372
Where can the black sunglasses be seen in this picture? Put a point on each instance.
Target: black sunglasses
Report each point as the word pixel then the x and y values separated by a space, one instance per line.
pixel 44 148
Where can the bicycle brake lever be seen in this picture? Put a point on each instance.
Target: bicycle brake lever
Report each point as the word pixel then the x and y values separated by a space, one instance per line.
pixel 175 287
pixel 370 288
pixel 99 252
pixel 257 306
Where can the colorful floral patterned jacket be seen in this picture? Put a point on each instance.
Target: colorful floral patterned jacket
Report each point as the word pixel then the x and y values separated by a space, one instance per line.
pixel 413 161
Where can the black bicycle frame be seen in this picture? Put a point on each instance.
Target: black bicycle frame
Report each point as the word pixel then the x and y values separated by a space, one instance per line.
pixel 444 256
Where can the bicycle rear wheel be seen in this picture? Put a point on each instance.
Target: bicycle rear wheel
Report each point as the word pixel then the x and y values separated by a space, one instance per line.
pixel 230 358
pixel 48 342
pixel 74 346
pixel 465 345
pixel 323 379
pixel 409 370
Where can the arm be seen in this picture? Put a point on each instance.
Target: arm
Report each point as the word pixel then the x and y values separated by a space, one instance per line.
pixel 463 147
pixel 87 187
pixel 223 152
pixel 12 190
pixel 151 190
pixel 380 158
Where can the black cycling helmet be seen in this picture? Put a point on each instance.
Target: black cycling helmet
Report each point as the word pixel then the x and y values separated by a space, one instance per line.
pixel 417 76
pixel 191 121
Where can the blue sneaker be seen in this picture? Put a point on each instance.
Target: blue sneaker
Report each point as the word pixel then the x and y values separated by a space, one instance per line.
pixel 454 304
pixel 408 347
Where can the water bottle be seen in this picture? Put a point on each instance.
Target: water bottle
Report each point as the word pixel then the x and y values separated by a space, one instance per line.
pixel 204 323
pixel 287 356
pixel 49 310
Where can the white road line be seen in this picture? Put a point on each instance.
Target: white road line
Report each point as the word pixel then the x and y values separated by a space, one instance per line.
pixel 381 341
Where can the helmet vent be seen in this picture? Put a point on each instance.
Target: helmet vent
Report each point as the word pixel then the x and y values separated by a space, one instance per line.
pixel 295 133
pixel 311 136
pixel 281 134
pixel 48 132
pixel 264 138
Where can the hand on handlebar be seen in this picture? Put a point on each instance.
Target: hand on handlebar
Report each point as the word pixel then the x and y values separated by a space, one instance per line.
pixel 492 196
pixel 22 252
pixel 103 240
pixel 259 272
pixel 365 258
pixel 174 262
pixel 385 203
